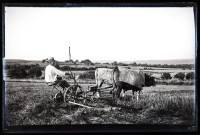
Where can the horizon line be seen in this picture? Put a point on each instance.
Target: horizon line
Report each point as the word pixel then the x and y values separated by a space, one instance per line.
pixel 107 60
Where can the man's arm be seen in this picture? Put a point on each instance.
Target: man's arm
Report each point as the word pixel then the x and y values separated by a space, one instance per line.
pixel 58 72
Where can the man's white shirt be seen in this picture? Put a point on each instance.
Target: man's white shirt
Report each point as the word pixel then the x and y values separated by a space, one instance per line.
pixel 51 73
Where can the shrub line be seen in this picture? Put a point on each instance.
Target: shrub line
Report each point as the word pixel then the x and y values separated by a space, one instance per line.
pixel 41 81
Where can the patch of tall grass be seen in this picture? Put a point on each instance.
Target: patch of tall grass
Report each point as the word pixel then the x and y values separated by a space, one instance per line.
pixel 160 105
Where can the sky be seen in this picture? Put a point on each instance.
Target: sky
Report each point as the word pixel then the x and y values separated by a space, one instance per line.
pixel 99 33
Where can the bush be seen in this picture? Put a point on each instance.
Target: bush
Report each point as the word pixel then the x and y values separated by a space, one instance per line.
pixel 122 64
pixel 166 76
pixel 17 72
pixel 114 63
pixel 65 68
pixel 24 71
pixel 87 62
pixel 149 80
pixel 87 75
pixel 57 65
pixel 7 66
pixel 180 76
pixel 190 75
pixel 35 71
pixel 92 68
pixel 176 82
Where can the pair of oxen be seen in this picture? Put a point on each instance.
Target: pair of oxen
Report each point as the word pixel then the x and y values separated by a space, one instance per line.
pixel 122 79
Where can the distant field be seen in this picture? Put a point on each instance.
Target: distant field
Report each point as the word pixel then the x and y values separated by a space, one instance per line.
pixel 151 70
pixel 168 71
pixel 157 73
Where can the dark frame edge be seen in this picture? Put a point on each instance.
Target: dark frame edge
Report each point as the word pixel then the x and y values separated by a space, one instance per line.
pixel 17 128
pixel 105 4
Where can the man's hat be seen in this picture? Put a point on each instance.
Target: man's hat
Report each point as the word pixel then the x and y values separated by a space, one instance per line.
pixel 50 59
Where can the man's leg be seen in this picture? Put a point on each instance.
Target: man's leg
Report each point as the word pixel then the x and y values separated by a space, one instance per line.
pixel 63 83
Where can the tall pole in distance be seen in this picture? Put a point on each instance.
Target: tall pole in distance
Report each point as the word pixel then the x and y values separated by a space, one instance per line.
pixel 72 75
pixel 69 54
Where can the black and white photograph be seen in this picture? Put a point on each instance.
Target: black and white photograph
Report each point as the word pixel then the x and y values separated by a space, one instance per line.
pixel 82 65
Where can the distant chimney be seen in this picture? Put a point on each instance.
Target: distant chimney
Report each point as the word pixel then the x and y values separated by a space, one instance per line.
pixel 69 54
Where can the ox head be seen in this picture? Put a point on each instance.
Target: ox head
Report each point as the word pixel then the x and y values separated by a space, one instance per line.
pixel 149 80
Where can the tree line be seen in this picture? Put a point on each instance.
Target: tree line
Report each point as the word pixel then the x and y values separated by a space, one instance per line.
pixel 88 62
pixel 185 66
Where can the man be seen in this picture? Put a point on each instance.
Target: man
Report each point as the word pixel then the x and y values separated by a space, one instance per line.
pixel 52 74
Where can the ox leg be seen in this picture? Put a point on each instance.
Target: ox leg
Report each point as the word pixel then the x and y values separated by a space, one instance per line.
pixel 119 89
pixel 98 95
pixel 116 93
pixel 113 92
pixel 133 94
pixel 122 94
pixel 98 92
pixel 138 95
pixel 98 85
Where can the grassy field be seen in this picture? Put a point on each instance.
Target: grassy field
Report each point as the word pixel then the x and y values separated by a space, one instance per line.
pixel 29 103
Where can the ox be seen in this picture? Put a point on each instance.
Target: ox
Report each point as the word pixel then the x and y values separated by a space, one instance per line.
pixel 102 76
pixel 122 79
pixel 127 79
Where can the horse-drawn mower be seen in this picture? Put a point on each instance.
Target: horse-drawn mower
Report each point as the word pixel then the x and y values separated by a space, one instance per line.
pixel 75 94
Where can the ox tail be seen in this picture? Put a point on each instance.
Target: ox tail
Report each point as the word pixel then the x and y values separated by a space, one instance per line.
pixel 115 77
pixel 96 77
